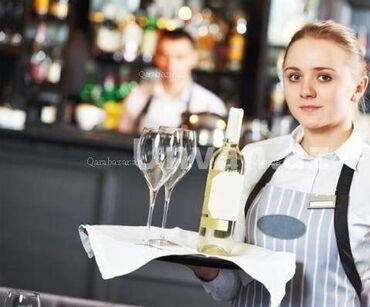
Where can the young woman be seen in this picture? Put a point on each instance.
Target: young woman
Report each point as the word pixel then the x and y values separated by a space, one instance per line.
pixel 309 192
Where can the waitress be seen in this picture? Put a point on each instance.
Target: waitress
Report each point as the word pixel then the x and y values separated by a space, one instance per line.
pixel 309 192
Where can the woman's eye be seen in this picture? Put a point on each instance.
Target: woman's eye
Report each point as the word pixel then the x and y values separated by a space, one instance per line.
pixel 324 78
pixel 294 77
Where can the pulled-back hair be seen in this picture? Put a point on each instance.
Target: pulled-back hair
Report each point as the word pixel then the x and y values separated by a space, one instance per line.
pixel 335 32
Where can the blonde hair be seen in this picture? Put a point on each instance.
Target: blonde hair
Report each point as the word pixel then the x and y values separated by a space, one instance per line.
pixel 335 32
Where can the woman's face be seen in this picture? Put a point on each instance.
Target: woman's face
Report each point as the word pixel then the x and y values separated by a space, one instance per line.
pixel 319 83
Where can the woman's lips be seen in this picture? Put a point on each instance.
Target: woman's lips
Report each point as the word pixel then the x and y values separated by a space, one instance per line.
pixel 310 108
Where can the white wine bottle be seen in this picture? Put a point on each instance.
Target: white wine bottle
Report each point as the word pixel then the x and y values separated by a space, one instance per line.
pixel 223 192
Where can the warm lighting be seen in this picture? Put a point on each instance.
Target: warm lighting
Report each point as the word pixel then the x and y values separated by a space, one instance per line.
pixel 203 136
pixel 198 18
pixel 161 23
pixel 203 31
pixel 241 27
pixel 193 119
pixel 171 25
pixel 97 17
pixel 130 18
pixel 221 124
pixel 185 13
pixel 214 29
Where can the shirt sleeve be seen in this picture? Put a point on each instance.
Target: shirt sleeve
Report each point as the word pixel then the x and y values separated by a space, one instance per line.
pixel 226 285
pixel 217 106
pixel 204 100
pixel 131 108
pixel 365 295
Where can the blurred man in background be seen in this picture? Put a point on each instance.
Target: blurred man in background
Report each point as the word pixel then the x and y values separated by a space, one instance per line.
pixel 173 95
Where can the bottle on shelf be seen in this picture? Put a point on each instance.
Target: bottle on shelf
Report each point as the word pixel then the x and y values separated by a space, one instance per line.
pixel 223 192
pixel 150 37
pixel 59 9
pixel 237 41
pixel 108 92
pixel 40 7
pixel 39 61
pixel 108 36
pixel 11 22
pixel 55 68
pixel 131 39
pixel 206 41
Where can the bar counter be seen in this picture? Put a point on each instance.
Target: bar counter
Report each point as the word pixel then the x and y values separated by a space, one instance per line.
pixel 48 188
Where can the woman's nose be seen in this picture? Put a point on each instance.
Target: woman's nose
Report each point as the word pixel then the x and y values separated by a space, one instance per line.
pixel 307 89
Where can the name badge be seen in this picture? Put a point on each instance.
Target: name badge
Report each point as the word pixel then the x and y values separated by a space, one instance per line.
pixel 321 202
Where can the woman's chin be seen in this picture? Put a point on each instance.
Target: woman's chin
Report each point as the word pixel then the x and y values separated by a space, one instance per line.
pixel 312 125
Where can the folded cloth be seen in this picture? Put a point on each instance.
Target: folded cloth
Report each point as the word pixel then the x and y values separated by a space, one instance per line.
pixel 118 250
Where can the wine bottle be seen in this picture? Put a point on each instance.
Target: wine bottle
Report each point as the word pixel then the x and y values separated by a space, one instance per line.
pixel 223 192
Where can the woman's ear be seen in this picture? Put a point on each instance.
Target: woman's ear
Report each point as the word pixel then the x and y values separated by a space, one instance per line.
pixel 360 88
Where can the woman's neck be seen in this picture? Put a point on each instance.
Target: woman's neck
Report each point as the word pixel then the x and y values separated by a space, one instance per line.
pixel 321 141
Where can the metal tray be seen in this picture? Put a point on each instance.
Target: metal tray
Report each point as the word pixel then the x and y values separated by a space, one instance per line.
pixel 200 260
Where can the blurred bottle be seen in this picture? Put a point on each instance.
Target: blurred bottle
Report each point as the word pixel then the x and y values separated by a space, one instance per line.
pixel 40 7
pixel 150 38
pixel 237 41
pixel 55 68
pixel 59 8
pixel 131 39
pixel 125 86
pixel 39 58
pixel 11 22
pixel 108 93
pixel 206 41
pixel 108 36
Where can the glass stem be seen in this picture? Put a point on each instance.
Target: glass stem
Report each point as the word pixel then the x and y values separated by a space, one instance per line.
pixel 153 196
pixel 168 193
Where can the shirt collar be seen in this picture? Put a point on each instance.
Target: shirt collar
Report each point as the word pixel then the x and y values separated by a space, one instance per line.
pixel 349 152
pixel 158 91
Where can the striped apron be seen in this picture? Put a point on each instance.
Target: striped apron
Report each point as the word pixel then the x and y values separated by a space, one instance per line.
pixel 279 219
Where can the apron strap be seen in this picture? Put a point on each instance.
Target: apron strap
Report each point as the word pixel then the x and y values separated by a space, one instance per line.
pixel 341 228
pixel 266 177
pixel 340 218
pixel 186 114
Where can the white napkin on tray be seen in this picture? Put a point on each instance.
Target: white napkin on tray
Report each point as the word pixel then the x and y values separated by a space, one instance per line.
pixel 118 251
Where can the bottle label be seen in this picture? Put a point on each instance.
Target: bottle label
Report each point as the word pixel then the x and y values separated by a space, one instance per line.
pixel 225 195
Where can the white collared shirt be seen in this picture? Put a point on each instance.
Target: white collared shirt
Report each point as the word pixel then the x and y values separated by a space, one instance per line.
pixel 309 174
pixel 165 110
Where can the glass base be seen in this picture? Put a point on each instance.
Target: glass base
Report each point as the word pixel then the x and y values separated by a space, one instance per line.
pixel 162 243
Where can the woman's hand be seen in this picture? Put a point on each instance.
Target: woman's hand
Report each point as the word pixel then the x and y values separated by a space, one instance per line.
pixel 204 273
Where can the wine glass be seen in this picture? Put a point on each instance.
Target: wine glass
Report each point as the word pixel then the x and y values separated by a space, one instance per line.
pixel 157 156
pixel 188 153
pixel 17 298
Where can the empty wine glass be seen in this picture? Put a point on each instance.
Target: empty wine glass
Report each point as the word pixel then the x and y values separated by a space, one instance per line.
pixel 17 298
pixel 188 153
pixel 169 156
pixel 157 156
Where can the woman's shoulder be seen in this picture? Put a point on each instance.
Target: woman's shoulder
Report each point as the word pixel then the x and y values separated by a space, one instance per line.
pixel 272 148
pixel 259 155
pixel 364 162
